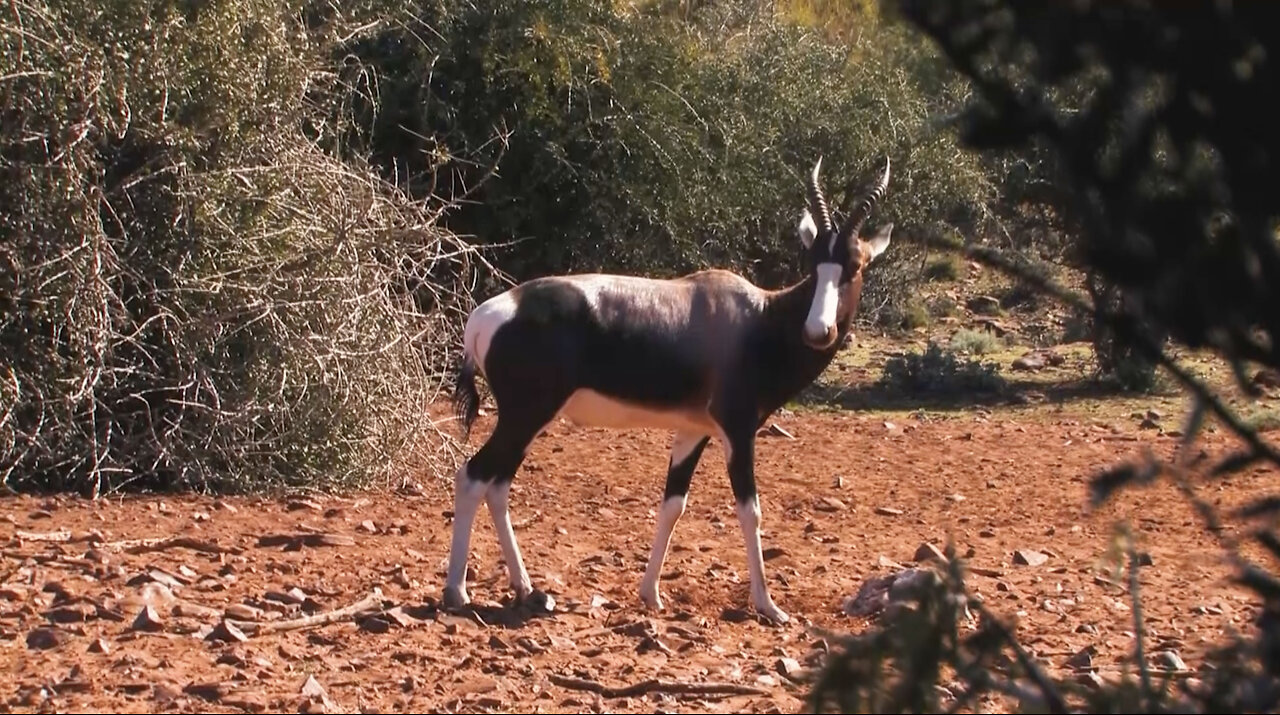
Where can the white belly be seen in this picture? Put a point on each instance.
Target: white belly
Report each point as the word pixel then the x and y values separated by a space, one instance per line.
pixel 588 408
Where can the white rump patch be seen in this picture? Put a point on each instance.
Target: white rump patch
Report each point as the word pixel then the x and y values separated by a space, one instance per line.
pixel 483 323
pixel 826 298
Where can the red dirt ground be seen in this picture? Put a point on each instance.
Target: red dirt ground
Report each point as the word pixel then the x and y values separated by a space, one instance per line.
pixel 584 504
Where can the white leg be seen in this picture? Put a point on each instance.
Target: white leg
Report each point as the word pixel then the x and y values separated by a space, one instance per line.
pixel 670 512
pixel 749 520
pixel 467 495
pixel 498 498
pixel 678 475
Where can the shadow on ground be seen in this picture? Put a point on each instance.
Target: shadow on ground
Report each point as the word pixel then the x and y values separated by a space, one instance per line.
pixel 877 396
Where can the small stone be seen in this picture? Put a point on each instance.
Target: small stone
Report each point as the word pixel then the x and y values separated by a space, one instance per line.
pixel 929 552
pixel 1088 628
pixel 734 615
pixel 1029 557
pixel 788 667
pixel 1090 678
pixel 496 643
pixel 888 511
pixel 1144 559
pixel 45 638
pixel 98 645
pixel 1148 423
pixel 226 632
pixel 1083 658
pixel 773 552
pixel 368 527
pixel 374 624
pixel 1171 660
pixel 829 504
pixel 147 620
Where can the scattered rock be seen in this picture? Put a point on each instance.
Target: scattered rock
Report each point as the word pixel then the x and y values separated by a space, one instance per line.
pixel 226 632
pixel 315 699
pixel 774 430
pixel 243 612
pixel 788 668
pixel 1088 628
pixel 1091 678
pixel 1267 377
pixel 1083 658
pixel 1029 557
pixel 1144 559
pixel 211 691
pixel 296 504
pixel 983 305
pixel 530 645
pixel 929 552
pixel 1170 659
pixel 44 638
pixel 888 511
pixel 98 645
pixel 1148 423
pixel 877 594
pixel 734 615
pixel 829 504
pixel 374 624
pixel 147 620
pixel 368 527
pixel 989 573
pixel 773 552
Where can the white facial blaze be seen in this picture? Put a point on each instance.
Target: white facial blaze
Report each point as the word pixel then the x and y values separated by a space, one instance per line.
pixel 826 298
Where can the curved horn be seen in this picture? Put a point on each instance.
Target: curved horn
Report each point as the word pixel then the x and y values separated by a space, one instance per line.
pixel 862 210
pixel 817 203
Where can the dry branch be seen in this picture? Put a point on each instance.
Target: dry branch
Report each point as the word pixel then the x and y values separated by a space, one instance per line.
pixel 372 602
pixel 142 546
pixel 654 685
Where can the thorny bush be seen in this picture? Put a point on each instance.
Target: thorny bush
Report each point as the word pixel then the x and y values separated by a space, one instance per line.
pixel 196 292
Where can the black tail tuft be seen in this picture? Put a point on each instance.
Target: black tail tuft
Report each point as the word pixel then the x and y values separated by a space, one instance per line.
pixel 466 400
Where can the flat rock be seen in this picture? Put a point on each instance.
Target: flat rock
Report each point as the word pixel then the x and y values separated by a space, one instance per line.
pixel 888 511
pixel 1029 557
pixel 829 504
pixel 44 638
pixel 929 552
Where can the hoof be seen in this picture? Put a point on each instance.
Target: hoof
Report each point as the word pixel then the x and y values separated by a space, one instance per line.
pixel 773 614
pixel 455 598
pixel 651 600
pixel 537 602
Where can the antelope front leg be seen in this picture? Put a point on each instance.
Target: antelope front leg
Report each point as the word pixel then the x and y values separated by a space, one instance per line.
pixel 686 449
pixel 740 454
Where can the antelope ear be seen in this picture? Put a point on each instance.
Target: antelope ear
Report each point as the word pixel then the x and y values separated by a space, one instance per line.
pixel 808 229
pixel 880 240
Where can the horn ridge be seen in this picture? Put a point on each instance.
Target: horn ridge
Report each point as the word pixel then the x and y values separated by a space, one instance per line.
pixel 862 209
pixel 817 202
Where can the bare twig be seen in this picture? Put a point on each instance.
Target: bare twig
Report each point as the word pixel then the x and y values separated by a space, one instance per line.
pixel 371 602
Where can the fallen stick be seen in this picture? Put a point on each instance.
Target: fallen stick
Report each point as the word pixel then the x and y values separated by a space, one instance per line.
pixel 655 685
pixel 160 543
pixel 371 602
pixel 61 535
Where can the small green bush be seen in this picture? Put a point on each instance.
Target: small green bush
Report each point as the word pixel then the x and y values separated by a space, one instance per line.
pixel 945 268
pixel 940 372
pixel 974 342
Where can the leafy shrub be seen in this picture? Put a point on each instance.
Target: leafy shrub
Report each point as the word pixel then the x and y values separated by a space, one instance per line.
pixel 657 141
pixel 196 292
pixel 939 372
pixel 974 342
pixel 945 268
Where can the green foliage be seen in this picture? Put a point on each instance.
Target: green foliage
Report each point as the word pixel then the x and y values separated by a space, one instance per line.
pixel 974 342
pixel 945 268
pixel 937 371
pixel 196 293
pixel 655 141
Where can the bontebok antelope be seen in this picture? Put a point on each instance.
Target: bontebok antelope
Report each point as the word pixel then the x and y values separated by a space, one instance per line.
pixel 705 355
